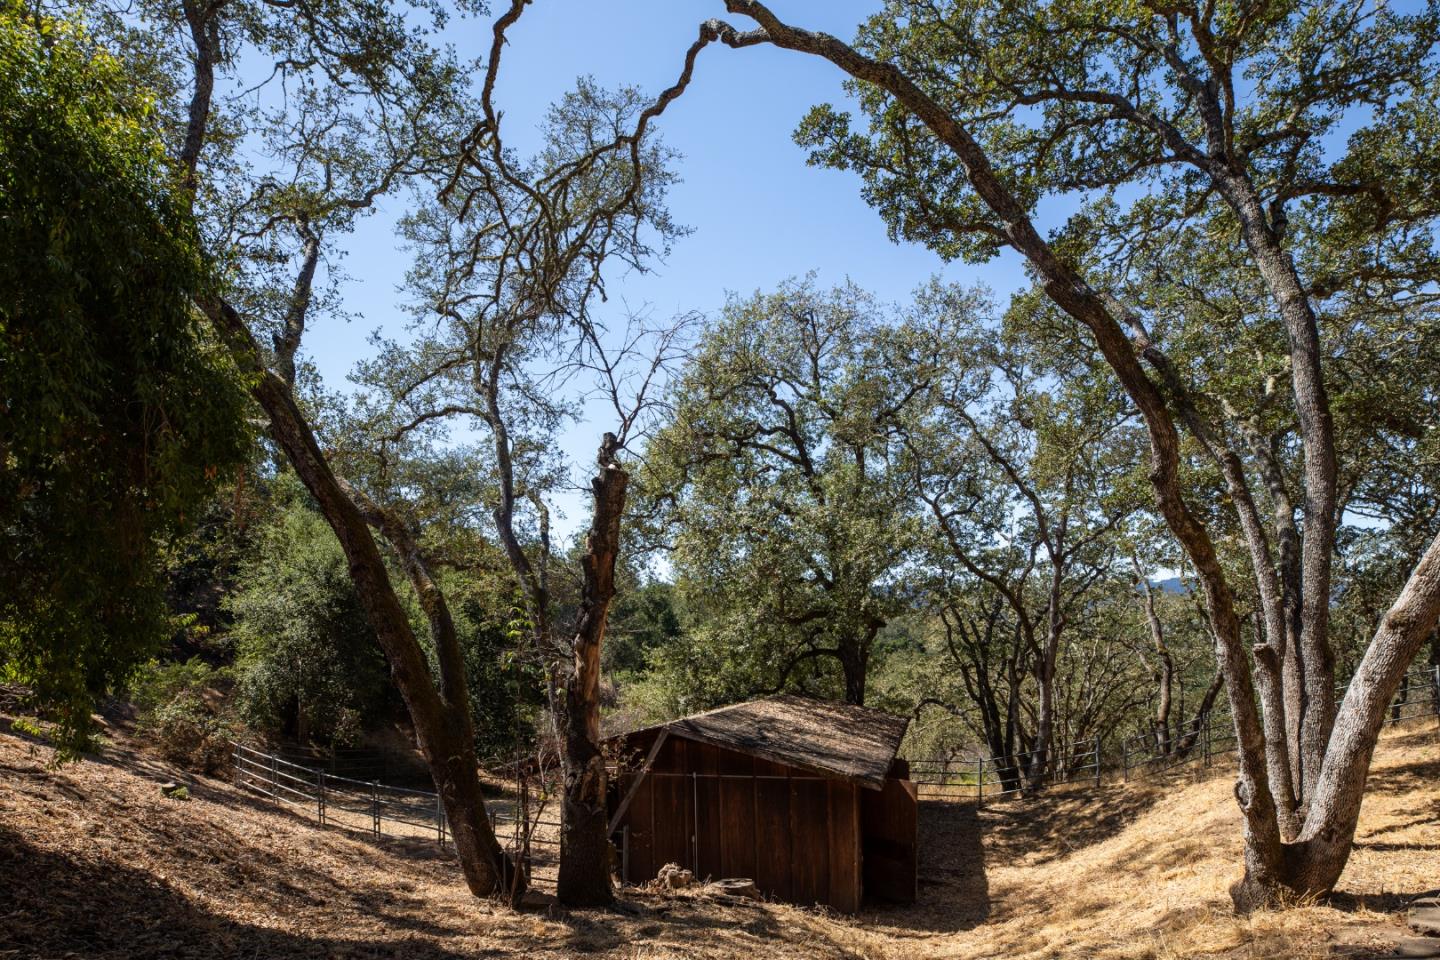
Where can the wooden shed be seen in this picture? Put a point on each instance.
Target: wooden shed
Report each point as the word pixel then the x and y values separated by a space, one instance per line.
pixel 805 797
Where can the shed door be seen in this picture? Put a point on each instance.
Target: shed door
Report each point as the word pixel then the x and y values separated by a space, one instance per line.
pixel 888 818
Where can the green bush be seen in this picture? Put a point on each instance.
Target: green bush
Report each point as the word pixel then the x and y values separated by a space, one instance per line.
pixel 307 663
pixel 183 712
pixel 119 415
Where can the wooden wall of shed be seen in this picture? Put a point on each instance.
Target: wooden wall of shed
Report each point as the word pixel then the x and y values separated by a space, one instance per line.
pixel 888 822
pixel 721 813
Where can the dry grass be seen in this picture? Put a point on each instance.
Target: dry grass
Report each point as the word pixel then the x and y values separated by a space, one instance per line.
pixel 95 863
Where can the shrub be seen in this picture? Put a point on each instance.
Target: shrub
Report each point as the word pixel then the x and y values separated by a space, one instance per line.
pixel 183 711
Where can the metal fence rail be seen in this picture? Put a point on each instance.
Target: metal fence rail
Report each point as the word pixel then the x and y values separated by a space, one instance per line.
pixel 1202 742
pixel 1005 776
pixel 380 810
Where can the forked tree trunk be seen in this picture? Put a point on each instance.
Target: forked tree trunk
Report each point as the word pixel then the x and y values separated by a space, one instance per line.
pixel 1313 863
pixel 585 865
pixel 443 724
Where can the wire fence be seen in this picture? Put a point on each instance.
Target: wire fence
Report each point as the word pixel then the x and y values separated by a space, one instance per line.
pixel 1200 743
pixel 380 810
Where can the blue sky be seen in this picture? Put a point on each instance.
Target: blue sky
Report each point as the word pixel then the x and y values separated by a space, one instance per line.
pixel 759 214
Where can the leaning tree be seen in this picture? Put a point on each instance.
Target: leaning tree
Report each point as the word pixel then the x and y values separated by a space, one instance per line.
pixel 978 110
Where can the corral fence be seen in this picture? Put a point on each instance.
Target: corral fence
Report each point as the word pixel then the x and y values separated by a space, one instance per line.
pixel 380 810
pixel 355 763
pixel 1007 776
pixel 1198 743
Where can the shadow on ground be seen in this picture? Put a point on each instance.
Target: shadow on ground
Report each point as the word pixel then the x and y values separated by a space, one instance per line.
pixel 62 906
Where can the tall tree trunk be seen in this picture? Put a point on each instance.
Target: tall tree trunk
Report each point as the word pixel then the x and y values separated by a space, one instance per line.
pixel 584 841
pixel 1165 672
pixel 1040 761
pixel 443 725
pixel 1316 658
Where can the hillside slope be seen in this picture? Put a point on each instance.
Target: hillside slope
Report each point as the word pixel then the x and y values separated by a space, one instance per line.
pixel 95 863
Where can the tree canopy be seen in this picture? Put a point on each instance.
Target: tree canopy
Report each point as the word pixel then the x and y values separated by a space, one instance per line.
pixel 118 413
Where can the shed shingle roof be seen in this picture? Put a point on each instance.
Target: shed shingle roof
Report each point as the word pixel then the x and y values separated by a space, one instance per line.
pixel 838 739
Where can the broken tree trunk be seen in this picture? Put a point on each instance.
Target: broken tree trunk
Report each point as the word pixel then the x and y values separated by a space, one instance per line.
pixel 584 836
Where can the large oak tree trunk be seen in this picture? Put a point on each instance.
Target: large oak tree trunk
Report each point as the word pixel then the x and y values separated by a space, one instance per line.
pixel 1314 862
pixel 1314 659
pixel 584 840
pixel 443 725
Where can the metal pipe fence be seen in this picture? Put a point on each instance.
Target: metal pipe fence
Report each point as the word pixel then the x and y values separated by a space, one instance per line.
pixel 1006 776
pixel 1201 742
pixel 380 810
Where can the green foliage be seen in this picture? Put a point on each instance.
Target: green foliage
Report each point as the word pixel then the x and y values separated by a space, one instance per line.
pixel 182 712
pixel 506 689
pixel 308 665
pixel 643 621
pixel 117 415
pixel 307 662
pixel 780 473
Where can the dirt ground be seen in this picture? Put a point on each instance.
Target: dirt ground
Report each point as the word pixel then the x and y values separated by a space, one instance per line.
pixel 96 863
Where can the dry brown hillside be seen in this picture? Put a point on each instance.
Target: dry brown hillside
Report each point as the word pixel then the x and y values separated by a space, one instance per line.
pixel 95 863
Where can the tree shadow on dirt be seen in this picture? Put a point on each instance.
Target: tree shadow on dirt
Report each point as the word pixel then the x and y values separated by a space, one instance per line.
pixel 676 923
pixel 1051 826
pixel 953 892
pixel 1377 902
pixel 64 906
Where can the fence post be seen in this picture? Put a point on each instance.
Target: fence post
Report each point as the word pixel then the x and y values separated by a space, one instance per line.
pixel 320 796
pixel 625 854
pixel 1206 736
pixel 1097 760
pixel 1125 759
pixel 980 783
pixel 375 806
pixel 1435 688
pixel 439 820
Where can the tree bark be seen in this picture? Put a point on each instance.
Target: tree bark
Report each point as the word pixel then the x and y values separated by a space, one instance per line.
pixel 1314 863
pixel 1039 766
pixel 441 723
pixel 1317 429
pixel 1165 673
pixel 584 841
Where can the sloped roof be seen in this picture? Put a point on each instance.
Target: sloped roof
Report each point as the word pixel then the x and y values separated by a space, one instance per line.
pixel 822 736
